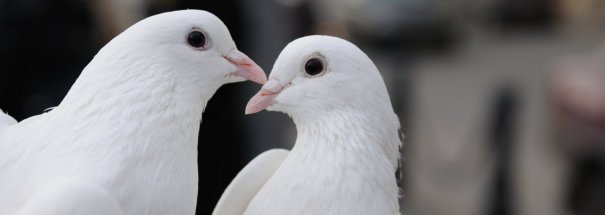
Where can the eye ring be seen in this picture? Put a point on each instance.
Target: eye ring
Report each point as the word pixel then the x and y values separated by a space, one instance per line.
pixel 197 39
pixel 315 66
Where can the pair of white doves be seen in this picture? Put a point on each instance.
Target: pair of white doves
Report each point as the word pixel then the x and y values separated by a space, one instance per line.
pixel 124 139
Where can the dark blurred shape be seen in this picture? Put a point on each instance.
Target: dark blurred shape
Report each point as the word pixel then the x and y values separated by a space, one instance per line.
pixel 405 25
pixel 587 191
pixel 502 137
pixel 526 13
pixel 43 47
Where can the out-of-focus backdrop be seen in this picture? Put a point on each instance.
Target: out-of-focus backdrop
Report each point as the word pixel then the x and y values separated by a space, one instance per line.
pixel 502 101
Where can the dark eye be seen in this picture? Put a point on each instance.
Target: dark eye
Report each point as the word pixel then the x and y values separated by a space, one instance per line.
pixel 196 39
pixel 314 66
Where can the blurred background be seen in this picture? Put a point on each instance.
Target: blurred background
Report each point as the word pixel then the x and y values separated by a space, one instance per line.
pixel 502 101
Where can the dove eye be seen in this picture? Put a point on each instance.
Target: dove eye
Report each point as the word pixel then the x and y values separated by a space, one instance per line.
pixel 196 39
pixel 314 66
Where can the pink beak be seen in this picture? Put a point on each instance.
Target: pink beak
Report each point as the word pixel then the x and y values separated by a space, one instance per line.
pixel 246 68
pixel 265 97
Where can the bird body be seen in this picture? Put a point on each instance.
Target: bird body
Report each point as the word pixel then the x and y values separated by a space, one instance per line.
pixel 124 139
pixel 332 169
pixel 346 150
pixel 149 164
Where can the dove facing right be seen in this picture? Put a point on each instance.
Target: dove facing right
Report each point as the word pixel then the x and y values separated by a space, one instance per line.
pixel 124 139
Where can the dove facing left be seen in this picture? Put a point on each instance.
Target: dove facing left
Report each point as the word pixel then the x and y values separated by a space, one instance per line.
pixel 346 154
pixel 124 139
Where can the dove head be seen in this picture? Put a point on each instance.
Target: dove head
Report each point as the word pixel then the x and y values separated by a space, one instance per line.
pixel 194 44
pixel 317 75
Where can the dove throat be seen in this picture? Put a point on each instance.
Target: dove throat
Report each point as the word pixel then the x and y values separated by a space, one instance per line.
pixel 353 133
pixel 340 155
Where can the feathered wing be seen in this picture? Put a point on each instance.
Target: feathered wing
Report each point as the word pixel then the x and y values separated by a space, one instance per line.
pixel 248 182
pixel 70 197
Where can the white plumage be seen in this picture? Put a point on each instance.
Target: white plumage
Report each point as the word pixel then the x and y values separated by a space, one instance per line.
pixel 347 148
pixel 124 139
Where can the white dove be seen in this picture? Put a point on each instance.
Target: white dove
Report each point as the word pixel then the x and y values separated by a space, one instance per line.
pixel 124 139
pixel 347 149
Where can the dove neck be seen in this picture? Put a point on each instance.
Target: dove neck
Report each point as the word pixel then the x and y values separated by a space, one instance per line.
pixel 125 101
pixel 349 131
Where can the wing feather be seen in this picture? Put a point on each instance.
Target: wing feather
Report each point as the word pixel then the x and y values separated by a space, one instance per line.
pixel 248 182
